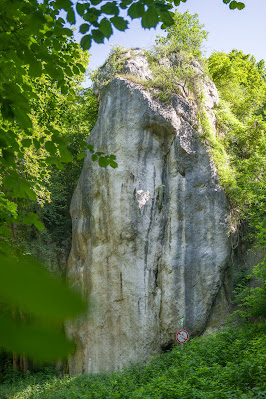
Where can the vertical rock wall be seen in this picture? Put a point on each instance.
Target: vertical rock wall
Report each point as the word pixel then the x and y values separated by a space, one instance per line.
pixel 149 238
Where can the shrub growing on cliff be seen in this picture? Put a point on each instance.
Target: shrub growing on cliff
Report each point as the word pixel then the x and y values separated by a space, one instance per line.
pixel 241 129
pixel 185 35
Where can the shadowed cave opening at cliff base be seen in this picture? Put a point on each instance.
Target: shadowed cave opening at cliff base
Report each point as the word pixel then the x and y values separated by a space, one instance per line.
pixel 167 347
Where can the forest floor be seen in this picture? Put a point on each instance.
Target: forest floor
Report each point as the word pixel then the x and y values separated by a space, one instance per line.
pixel 230 364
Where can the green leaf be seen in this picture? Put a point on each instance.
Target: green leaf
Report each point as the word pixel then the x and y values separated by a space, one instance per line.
pixel 233 5
pixel 81 8
pixel 97 36
pixel 63 4
pixel 76 70
pixel 94 157
pixel 240 6
pixel 81 68
pixel 92 16
pixel 95 2
pixel 18 187
pixel 125 3
pixel 119 23
pixel 71 16
pixel 150 18
pixel 22 118
pixel 6 110
pixel 86 42
pixel 39 342
pixel 110 8
pixel 103 162
pixel 68 71
pixel 226 1
pixel 84 28
pixel 54 71
pixel 66 155
pixel 105 27
pixel 50 147
pixel 26 142
pixel 33 219
pixel 167 18
pixel 8 157
pixel 67 32
pixel 4 231
pixel 35 68
pixel 64 89
pixel 39 225
pixel 136 10
pixel 36 143
pixel 81 156
pixel 27 285
pixel 113 164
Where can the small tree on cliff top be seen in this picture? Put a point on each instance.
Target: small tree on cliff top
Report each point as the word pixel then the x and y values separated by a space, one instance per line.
pixel 186 34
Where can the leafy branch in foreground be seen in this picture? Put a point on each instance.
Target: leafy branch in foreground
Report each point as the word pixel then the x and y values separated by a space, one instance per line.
pixel 34 305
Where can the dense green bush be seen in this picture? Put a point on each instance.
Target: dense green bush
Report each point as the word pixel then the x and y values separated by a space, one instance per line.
pixel 228 365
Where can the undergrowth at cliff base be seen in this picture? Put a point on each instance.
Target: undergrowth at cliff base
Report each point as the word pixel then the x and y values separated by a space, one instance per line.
pixel 228 365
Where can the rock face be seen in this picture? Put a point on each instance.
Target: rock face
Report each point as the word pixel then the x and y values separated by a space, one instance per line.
pixel 149 237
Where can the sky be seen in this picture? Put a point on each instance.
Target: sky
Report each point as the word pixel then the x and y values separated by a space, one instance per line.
pixel 244 30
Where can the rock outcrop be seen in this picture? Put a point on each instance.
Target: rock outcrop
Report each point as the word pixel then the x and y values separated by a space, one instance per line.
pixel 149 238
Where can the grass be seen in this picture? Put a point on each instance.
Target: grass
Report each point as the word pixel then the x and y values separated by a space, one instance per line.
pixel 228 365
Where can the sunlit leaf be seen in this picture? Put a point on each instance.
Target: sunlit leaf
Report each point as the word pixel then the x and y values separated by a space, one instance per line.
pixel 66 155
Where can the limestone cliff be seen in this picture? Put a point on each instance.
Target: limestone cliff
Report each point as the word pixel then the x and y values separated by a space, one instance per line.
pixel 150 237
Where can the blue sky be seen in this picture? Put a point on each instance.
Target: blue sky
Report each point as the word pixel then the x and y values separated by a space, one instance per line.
pixel 244 30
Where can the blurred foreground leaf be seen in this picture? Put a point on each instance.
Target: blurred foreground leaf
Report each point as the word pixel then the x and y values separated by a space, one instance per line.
pixel 27 285
pixel 40 342
pixel 41 304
